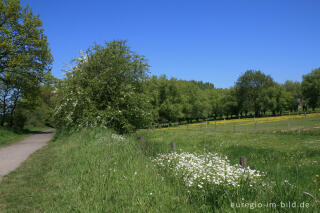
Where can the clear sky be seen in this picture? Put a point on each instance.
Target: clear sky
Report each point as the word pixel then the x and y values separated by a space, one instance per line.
pixel 214 41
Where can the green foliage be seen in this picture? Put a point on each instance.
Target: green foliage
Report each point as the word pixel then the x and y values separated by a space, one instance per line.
pixel 178 100
pixel 105 88
pixel 25 57
pixel 311 88
pixel 249 87
pixel 10 135
pixel 19 120
pixel 295 94
pixel 38 111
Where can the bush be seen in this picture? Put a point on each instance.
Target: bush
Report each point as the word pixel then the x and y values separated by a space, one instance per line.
pixel 105 88
pixel 19 120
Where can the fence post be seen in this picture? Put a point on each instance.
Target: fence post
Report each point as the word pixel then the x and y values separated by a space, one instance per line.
pixel 224 121
pixel 234 128
pixel 142 143
pixel 243 162
pixel 173 146
pixel 215 126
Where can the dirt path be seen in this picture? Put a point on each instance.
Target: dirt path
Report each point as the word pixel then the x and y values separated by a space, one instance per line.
pixel 12 156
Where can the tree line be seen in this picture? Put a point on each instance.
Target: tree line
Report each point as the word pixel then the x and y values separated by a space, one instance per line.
pixel 254 93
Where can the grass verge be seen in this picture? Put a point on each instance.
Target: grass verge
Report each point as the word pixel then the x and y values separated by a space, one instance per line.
pixel 90 171
pixel 11 135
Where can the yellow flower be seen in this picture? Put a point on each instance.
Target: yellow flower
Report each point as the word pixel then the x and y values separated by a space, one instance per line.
pixel 314 180
pixel 317 176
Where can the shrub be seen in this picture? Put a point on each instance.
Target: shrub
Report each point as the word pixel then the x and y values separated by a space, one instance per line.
pixel 105 88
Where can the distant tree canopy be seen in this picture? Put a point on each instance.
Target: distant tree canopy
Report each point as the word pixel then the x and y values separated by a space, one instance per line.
pixel 311 88
pixel 254 92
pixel 251 90
pixel 105 88
pixel 25 58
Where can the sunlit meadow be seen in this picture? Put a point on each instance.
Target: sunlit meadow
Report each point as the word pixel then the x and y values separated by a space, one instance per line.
pixel 97 170
pixel 283 152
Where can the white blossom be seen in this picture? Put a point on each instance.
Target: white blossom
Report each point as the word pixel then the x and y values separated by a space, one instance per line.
pixel 208 169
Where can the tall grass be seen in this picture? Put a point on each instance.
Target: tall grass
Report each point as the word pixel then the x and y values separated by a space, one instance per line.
pixel 91 171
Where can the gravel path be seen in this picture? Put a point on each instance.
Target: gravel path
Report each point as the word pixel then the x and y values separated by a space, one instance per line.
pixel 12 156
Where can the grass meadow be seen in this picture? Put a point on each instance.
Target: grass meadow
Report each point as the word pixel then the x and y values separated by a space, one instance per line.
pixel 96 170
pixel 286 149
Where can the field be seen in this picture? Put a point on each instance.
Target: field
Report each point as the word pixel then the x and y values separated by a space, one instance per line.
pixel 96 170
pixel 286 149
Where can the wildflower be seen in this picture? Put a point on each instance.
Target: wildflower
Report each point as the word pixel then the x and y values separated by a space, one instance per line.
pixel 314 180
pixel 197 170
pixel 317 176
pixel 118 137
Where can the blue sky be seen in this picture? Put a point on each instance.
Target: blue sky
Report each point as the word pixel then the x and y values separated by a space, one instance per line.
pixel 214 41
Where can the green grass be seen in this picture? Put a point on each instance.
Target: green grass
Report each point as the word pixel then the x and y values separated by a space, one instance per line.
pixel 90 172
pixel 11 135
pixel 284 153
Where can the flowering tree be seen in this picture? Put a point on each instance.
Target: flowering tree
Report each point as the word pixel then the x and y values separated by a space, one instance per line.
pixel 105 88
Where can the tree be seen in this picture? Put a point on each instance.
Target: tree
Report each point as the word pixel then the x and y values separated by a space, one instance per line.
pixel 105 88
pixel 311 88
pixel 249 87
pixel 229 101
pixel 25 57
pixel 268 99
pixel 295 93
